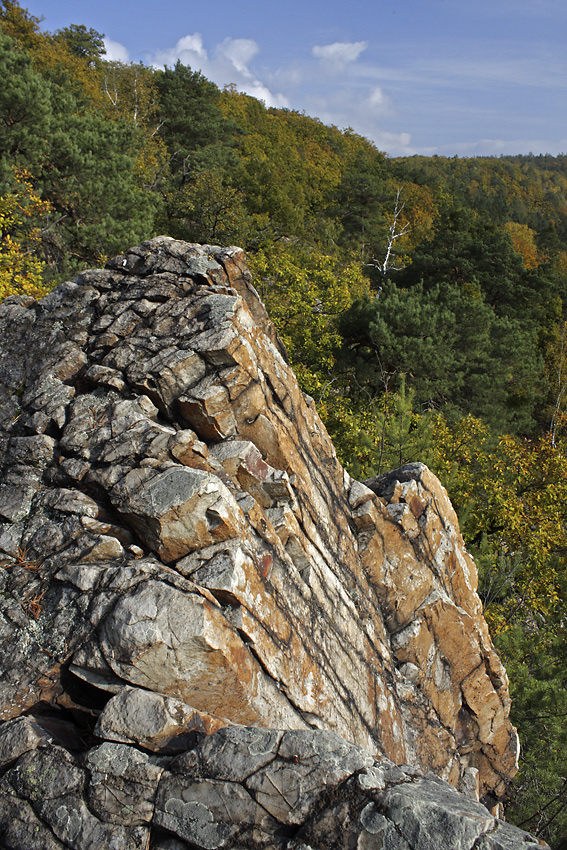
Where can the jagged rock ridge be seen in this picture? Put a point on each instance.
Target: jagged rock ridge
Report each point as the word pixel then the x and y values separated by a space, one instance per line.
pixel 181 551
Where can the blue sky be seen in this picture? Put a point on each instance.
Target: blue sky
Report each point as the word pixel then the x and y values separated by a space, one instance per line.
pixel 447 77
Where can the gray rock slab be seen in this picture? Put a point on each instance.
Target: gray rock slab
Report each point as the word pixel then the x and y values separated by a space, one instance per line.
pixel 233 754
pixel 36 451
pixel 210 814
pixel 122 785
pixel 179 644
pixel 430 810
pixel 153 721
pixel 18 736
pixel 52 782
pixel 166 375
pixel 17 490
pixel 73 823
pixel 308 763
pixel 46 774
pixel 507 837
pixel 20 827
pixel 177 510
pixel 395 808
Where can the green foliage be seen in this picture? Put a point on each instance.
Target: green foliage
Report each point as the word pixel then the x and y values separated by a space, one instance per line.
pixel 287 166
pixel 472 253
pixel 190 122
pixel 306 292
pixel 198 141
pixel 511 497
pixel 25 112
pixel 400 434
pixel 92 184
pixel 399 331
pixel 455 352
pixel 82 163
pixel 359 200
pixel 535 655
pixel 208 209
pixel 86 43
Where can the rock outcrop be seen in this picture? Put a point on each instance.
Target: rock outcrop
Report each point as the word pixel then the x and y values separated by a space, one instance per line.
pixel 185 566
pixel 242 787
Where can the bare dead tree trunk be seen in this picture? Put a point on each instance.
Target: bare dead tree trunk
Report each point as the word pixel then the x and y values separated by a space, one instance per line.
pixel 395 232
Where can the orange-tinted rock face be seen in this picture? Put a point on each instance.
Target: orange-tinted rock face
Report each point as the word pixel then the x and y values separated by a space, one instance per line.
pixel 195 535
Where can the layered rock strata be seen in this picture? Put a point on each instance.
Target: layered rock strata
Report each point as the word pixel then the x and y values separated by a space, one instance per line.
pixel 174 522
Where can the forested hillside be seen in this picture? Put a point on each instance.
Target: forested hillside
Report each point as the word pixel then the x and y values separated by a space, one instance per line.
pixel 423 302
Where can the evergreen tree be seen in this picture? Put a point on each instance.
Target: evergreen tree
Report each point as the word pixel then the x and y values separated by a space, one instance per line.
pixel 359 201
pixel 196 133
pixel 400 331
pixel 82 162
pixel 454 350
pixel 85 43
pixel 199 144
pixel 25 112
pixel 474 254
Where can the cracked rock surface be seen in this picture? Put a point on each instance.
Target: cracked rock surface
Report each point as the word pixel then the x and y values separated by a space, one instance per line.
pixel 241 787
pixel 182 556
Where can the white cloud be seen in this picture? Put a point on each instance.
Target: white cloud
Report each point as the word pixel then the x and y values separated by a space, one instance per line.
pixel 261 92
pixel 377 101
pixel 115 52
pixel 288 77
pixel 240 52
pixel 360 107
pixel 192 44
pixel 396 144
pixel 339 54
pixel 189 50
pixel 228 65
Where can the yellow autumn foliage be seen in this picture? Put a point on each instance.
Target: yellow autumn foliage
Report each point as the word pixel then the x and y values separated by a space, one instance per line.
pixel 523 238
pixel 21 269
pixel 511 497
